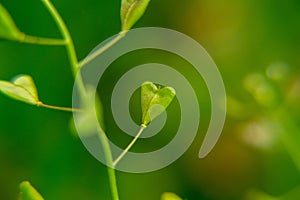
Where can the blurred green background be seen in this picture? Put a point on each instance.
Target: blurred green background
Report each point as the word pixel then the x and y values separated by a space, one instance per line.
pixel 256 46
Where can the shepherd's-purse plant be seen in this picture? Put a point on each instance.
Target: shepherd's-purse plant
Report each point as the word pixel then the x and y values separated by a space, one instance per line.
pixel 23 88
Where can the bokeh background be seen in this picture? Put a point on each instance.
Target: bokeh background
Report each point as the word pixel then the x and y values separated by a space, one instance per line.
pixel 256 46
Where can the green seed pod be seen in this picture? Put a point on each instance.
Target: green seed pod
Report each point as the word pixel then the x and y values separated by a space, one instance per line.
pixel 8 28
pixel 131 12
pixel 28 192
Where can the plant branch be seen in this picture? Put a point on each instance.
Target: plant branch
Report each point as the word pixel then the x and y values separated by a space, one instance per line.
pixel 82 90
pixel 42 41
pixel 69 45
pixel 59 107
pixel 116 161
pixel 108 156
pixel 102 49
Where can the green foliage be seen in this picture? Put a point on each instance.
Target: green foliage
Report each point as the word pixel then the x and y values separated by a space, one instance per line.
pixel 8 28
pixel 131 12
pixel 28 192
pixel 170 196
pixel 21 88
pixel 262 90
pixel 154 101
pixel 227 24
pixel 267 95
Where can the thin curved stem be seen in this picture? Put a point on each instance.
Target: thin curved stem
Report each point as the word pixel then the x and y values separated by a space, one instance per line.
pixel 116 161
pixel 82 90
pixel 102 49
pixel 108 156
pixel 59 108
pixel 69 45
pixel 42 41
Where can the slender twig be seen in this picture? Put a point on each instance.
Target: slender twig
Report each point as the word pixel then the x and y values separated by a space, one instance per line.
pixel 108 156
pixel 82 91
pixel 102 49
pixel 69 45
pixel 116 161
pixel 42 41
pixel 59 108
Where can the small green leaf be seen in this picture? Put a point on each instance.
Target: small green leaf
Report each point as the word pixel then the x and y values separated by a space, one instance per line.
pixel 21 88
pixel 28 192
pixel 132 11
pixel 154 101
pixel 170 196
pixel 8 28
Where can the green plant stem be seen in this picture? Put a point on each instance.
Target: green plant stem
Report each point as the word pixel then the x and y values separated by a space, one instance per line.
pixel 102 49
pixel 108 156
pixel 82 91
pixel 116 161
pixel 69 46
pixel 59 108
pixel 42 41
